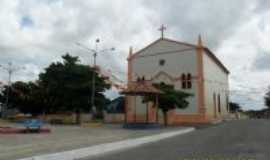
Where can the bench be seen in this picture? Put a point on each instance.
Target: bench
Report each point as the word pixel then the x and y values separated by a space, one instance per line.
pixel 33 124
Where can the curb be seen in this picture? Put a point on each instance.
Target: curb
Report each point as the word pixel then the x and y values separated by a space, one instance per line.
pixel 108 147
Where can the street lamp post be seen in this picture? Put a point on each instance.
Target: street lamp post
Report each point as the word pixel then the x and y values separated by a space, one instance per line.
pixel 95 54
pixel 94 80
pixel 10 69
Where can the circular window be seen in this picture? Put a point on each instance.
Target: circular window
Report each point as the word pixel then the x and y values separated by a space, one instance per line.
pixel 162 62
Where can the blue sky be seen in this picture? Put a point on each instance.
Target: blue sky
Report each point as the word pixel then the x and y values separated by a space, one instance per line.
pixel 26 22
pixel 33 33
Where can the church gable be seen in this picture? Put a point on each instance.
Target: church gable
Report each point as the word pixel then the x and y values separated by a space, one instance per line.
pixel 163 46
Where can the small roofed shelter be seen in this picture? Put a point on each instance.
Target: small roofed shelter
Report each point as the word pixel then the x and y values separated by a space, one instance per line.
pixel 141 114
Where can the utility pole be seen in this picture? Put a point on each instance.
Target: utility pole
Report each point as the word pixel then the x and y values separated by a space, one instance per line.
pixel 10 69
pixel 95 53
pixel 94 110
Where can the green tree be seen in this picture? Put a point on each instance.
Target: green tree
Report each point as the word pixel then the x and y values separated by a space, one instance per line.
pixel 234 107
pixel 169 100
pixel 68 86
pixel 2 95
pixel 24 96
pixel 267 98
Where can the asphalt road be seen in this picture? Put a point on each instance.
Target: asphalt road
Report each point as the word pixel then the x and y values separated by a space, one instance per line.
pixel 235 140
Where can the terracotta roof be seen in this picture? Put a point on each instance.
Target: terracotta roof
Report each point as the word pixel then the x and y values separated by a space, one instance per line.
pixel 141 88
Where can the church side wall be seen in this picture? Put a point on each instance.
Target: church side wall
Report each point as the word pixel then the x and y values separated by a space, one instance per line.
pixel 215 84
pixel 175 64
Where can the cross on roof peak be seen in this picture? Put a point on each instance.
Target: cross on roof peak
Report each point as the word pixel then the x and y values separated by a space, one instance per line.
pixel 162 29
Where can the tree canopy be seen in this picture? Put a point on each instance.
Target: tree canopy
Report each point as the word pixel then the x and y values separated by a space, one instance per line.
pixel 170 99
pixel 24 96
pixel 267 98
pixel 234 107
pixel 68 85
pixel 63 86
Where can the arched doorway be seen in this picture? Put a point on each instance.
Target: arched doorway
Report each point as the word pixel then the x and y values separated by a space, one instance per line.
pixel 215 105
pixel 219 107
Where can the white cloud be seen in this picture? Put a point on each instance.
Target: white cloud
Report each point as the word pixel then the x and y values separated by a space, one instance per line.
pixel 246 53
pixel 234 30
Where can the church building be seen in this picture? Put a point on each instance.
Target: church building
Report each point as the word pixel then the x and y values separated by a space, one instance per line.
pixel 192 68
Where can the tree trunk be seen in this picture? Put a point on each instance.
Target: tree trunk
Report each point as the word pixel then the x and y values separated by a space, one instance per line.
pixel 157 109
pixel 147 113
pixel 157 115
pixel 165 117
pixel 78 116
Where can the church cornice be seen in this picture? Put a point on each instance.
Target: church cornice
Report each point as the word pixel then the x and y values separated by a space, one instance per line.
pixel 216 60
pixel 136 54
pixel 168 52
pixel 207 51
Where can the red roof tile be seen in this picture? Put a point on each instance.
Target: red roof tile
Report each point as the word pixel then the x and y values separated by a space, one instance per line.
pixel 141 87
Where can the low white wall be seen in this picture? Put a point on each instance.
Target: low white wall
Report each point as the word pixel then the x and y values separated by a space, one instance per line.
pixel 114 117
pixel 86 117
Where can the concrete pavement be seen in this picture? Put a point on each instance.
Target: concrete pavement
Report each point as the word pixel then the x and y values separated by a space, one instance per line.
pixel 109 147
pixel 66 138
pixel 239 140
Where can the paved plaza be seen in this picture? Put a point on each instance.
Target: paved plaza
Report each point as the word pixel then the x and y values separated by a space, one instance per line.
pixel 64 138
pixel 234 140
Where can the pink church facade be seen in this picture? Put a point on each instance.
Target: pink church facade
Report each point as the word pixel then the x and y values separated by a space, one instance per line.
pixel 189 68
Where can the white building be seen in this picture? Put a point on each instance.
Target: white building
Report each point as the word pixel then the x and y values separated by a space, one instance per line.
pixel 190 68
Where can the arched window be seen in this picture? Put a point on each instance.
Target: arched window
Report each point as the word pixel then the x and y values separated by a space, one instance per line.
pixel 189 82
pixel 183 79
pixel 186 81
